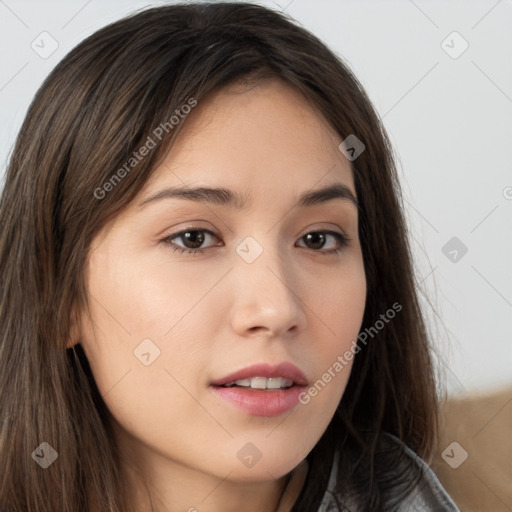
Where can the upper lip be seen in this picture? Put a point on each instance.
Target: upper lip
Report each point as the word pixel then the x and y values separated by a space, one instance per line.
pixel 285 370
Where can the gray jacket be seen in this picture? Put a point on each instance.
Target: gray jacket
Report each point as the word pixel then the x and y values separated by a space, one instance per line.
pixel 428 496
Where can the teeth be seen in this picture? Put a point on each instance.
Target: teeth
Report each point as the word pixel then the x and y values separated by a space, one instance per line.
pixel 262 383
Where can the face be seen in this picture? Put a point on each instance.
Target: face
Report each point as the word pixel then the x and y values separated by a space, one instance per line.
pixel 266 286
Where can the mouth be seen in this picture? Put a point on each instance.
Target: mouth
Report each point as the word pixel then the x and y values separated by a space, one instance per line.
pixel 263 389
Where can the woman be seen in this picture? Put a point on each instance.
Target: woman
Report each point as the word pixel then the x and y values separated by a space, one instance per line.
pixel 207 293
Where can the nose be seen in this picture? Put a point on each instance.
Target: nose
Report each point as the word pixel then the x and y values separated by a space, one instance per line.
pixel 266 296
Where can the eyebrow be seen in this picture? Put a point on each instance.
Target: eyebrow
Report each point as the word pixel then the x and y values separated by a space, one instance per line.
pixel 226 197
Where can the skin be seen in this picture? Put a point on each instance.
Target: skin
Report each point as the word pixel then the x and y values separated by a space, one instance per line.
pixel 213 313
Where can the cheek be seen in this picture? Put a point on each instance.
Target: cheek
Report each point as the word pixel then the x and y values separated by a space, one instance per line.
pixel 337 317
pixel 149 386
pixel 338 308
pixel 137 294
pixel 146 344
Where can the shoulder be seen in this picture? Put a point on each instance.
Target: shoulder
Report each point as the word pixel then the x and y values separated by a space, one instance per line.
pixel 428 494
pixel 406 482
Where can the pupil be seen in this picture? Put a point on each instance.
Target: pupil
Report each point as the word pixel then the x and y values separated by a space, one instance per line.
pixel 309 236
pixel 197 239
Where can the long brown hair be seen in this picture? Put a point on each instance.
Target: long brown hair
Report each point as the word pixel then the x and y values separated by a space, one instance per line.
pixel 96 108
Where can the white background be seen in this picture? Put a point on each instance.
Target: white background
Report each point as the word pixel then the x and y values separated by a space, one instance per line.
pixel 450 120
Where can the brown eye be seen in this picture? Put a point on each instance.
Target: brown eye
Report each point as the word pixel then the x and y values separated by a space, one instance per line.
pixel 317 239
pixel 192 238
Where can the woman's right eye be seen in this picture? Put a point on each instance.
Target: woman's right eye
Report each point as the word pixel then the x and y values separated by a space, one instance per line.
pixel 195 237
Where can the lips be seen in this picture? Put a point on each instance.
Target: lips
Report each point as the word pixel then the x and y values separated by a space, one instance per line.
pixel 262 402
pixel 285 370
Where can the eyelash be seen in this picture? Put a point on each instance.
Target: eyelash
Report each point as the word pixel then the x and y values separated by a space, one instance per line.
pixel 342 239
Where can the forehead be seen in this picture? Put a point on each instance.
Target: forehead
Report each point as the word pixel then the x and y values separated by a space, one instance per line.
pixel 256 138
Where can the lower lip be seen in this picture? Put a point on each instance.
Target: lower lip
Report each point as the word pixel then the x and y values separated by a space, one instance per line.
pixel 268 403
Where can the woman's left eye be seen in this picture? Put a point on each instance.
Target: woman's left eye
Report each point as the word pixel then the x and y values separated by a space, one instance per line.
pixel 196 237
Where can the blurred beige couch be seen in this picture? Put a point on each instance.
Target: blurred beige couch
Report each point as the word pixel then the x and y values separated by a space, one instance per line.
pixel 474 456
